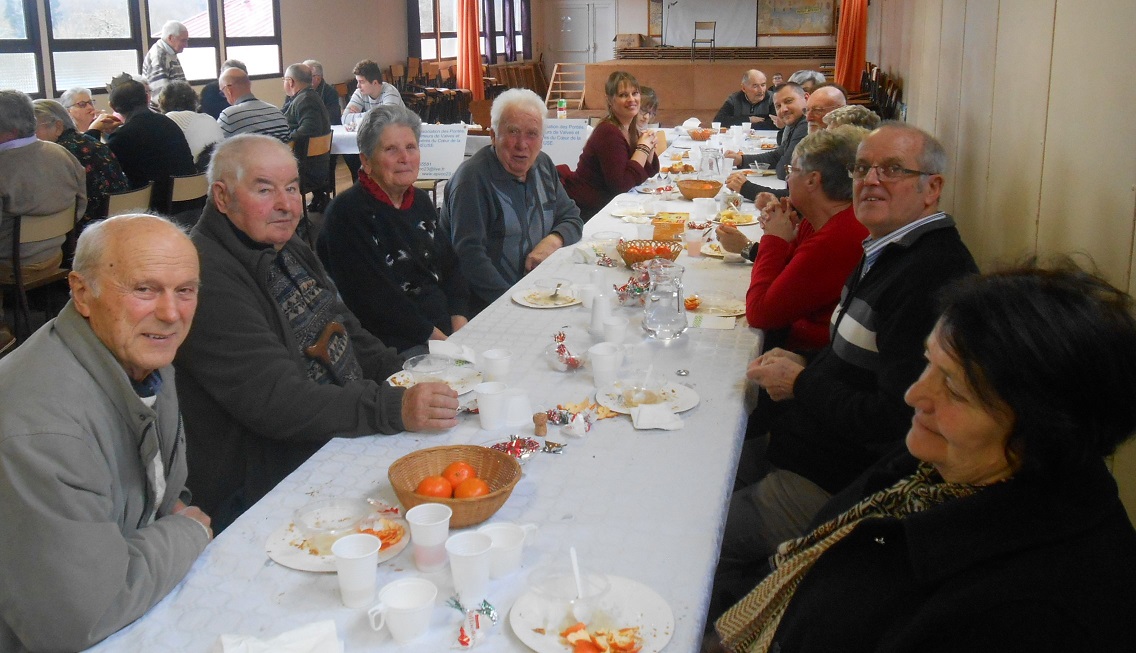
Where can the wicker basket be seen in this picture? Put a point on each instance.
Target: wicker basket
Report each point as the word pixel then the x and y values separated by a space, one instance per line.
pixel 702 134
pixel 692 188
pixel 500 470
pixel 634 251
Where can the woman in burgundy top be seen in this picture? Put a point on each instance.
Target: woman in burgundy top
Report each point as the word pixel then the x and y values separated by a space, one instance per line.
pixel 617 157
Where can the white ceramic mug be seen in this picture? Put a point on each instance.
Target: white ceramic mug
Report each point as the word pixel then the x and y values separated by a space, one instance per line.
pixel 469 562
pixel 356 558
pixel 429 529
pixel 404 607
pixel 508 545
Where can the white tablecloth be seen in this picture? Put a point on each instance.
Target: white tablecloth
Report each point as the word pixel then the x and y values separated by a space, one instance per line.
pixel 648 505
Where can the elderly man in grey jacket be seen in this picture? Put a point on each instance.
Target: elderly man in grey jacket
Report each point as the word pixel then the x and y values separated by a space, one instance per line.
pixel 96 526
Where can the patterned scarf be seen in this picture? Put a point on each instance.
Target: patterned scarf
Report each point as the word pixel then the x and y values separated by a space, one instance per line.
pixel 749 626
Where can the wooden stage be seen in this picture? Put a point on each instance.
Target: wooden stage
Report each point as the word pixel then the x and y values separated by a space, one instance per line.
pixel 688 88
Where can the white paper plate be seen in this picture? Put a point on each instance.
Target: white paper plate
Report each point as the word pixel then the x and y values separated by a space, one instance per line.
pixel 720 304
pixel 752 220
pixel 713 250
pixel 285 547
pixel 680 398
pixel 633 604
pixel 620 212
pixel 462 378
pixel 534 298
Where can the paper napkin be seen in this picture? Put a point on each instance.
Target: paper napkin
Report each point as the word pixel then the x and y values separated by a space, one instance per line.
pixel 655 416
pixel 445 348
pixel 318 637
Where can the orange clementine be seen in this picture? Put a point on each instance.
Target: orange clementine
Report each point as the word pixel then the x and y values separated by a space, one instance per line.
pixel 458 471
pixel 435 486
pixel 470 488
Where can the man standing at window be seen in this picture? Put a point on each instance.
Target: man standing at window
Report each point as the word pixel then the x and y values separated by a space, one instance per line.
pixel 161 65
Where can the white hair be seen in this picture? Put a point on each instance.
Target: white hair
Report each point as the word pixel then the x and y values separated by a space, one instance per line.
pixel 516 98
pixel 92 244
pixel 173 28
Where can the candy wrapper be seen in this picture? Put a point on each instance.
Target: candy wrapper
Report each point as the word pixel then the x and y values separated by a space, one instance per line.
pixel 560 357
pixel 518 447
pixel 476 624
pixel 634 292
pixel 574 424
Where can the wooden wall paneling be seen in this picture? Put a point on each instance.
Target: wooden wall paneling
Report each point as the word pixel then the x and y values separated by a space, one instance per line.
pixel 1093 215
pixel 948 93
pixel 920 87
pixel 1018 128
pixel 971 174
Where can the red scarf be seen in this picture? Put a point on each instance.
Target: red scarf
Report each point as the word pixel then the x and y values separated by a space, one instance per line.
pixel 374 191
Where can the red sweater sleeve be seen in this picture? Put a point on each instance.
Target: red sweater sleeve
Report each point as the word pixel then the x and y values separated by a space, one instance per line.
pixel 797 284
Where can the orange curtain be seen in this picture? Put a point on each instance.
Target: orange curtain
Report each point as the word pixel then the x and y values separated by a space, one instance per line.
pixel 852 44
pixel 469 49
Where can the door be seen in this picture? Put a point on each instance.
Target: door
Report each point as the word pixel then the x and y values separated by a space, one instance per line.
pixel 580 32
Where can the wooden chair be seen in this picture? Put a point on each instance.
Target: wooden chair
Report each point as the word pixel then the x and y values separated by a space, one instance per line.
pixel 187 197
pixel 398 73
pixel 130 201
pixel 34 230
pixel 310 148
pixel 701 29
pixel 479 111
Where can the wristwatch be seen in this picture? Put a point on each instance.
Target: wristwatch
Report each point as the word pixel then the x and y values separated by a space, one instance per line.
pixel 749 251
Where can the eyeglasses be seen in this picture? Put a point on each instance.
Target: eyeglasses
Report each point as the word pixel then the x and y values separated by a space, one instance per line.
pixel 889 172
pixel 83 105
pixel 819 110
pixel 789 169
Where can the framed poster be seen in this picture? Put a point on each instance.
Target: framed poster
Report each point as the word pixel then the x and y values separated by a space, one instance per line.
pixel 655 18
pixel 798 17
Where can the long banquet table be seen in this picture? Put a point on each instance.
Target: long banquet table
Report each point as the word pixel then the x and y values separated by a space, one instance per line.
pixel 647 505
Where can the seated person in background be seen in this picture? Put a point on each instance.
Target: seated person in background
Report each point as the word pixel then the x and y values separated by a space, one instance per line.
pixel 808 79
pixel 213 101
pixel 371 91
pixel 648 108
pixel 852 114
pixel 307 118
pixel 750 106
pixel 92 454
pixel 330 98
pixel 998 527
pixel 104 175
pixel 778 79
pixel 824 99
pixel 36 178
pixel 178 102
pixel 276 365
pixel 504 209
pixel 819 103
pixel 81 105
pixel 822 420
pixel 790 102
pixel 381 244
pixel 149 146
pixel 800 265
pixel 617 156
pixel 248 115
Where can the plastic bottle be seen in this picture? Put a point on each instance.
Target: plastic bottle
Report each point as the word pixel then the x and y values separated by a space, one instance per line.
pixel 562 108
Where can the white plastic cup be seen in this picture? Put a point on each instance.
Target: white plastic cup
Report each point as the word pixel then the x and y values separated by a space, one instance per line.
pixel 692 238
pixel 645 231
pixel 601 310
pixel 469 563
pixel 615 329
pixel 356 559
pixel 605 359
pixel 495 364
pixel 491 404
pixel 508 545
pixel 587 292
pixel 705 208
pixel 716 126
pixel 429 528
pixel 404 607
pixel 518 408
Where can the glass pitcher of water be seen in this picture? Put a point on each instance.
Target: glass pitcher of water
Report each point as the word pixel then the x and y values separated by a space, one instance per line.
pixel 713 165
pixel 664 315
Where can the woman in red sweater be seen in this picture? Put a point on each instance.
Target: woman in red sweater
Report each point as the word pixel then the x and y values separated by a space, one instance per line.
pixel 801 265
pixel 617 156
